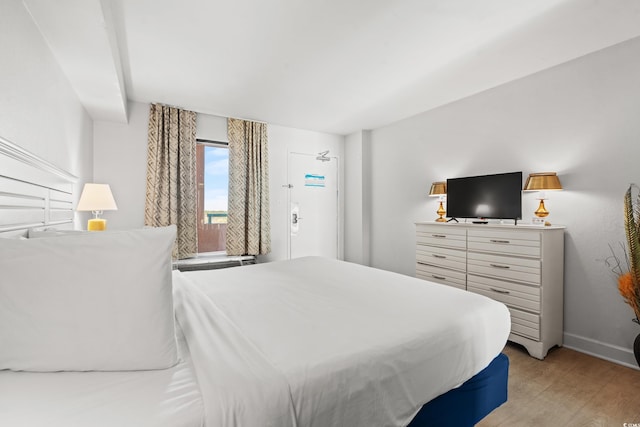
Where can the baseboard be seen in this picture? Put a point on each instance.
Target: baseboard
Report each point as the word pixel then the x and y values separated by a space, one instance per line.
pixel 610 352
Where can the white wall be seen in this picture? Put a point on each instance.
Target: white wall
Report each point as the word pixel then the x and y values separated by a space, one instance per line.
pixel 120 160
pixel 580 119
pixel 357 212
pixel 39 110
pixel 212 128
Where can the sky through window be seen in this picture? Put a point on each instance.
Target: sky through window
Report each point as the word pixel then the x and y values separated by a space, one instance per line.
pixel 216 178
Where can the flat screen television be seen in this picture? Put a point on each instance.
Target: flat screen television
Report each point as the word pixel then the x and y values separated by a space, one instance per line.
pixel 497 196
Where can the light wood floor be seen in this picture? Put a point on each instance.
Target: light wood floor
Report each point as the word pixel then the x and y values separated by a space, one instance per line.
pixel 567 389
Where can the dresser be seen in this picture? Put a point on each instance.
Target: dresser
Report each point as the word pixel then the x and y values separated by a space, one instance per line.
pixel 521 266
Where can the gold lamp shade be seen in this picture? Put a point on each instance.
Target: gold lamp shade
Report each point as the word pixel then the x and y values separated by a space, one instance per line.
pixel 439 189
pixel 542 181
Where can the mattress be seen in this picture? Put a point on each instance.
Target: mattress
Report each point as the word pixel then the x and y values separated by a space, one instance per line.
pixel 471 402
pixel 307 342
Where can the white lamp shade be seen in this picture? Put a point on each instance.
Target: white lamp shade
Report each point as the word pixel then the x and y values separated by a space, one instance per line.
pixel 96 197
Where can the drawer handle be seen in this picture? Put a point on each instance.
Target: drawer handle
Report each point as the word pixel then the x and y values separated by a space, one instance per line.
pixel 439 256
pixel 438 277
pixel 499 266
pixel 500 291
pixel 439 236
pixel 499 241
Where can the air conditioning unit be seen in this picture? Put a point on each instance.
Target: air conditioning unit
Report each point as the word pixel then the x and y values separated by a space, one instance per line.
pixel 205 262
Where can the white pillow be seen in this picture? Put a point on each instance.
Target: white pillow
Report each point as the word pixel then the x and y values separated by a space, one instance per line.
pixel 35 233
pixel 88 302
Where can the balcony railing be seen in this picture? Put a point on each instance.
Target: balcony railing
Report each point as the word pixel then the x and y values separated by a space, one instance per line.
pixel 212 237
pixel 211 216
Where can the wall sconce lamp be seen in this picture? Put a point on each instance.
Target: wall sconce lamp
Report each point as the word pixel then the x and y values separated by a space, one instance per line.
pixel 439 189
pixel 542 182
pixel 96 198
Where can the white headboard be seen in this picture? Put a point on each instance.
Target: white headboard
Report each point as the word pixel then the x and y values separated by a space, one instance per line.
pixel 33 192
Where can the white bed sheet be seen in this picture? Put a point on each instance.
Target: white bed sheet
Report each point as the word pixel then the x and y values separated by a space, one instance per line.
pixel 168 397
pixel 240 388
pixel 357 346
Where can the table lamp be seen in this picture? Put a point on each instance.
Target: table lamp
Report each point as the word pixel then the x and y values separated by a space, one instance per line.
pixel 439 189
pixel 96 198
pixel 542 182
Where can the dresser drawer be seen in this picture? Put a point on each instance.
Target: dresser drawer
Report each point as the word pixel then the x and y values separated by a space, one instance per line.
pixel 504 267
pixel 521 243
pixel 512 294
pixel 525 324
pixel 441 257
pixel 441 275
pixel 442 236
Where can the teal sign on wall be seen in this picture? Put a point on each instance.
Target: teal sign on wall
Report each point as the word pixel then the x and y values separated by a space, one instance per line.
pixel 313 180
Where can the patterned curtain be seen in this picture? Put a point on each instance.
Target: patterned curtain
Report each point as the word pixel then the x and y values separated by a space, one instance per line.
pixel 248 222
pixel 171 175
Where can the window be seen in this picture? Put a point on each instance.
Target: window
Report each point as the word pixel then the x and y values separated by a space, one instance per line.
pixel 212 168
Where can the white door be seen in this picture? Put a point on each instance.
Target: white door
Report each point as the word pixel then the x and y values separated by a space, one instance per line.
pixel 313 205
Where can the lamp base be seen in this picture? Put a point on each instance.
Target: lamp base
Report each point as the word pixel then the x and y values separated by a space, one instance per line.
pixel 97 224
pixel 441 212
pixel 541 212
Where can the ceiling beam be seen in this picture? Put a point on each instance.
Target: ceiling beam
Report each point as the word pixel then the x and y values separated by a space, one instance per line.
pixel 81 35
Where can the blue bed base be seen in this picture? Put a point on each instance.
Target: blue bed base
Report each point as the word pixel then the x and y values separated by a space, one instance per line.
pixel 472 401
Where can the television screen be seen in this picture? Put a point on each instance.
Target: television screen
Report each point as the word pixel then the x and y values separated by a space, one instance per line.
pixel 496 196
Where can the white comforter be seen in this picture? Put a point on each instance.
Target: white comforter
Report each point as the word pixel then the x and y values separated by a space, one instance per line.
pixel 357 346
pixel 308 342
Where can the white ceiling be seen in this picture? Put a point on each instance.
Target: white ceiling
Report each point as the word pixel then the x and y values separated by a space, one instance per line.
pixel 334 66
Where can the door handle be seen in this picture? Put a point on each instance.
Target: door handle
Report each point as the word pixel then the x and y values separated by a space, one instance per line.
pixel 295 218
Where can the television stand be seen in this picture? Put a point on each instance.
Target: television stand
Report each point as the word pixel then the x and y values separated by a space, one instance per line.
pixel 452 219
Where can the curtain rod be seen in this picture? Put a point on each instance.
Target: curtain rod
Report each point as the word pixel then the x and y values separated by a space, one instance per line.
pixel 162 104
pixel 248 120
pixel 199 112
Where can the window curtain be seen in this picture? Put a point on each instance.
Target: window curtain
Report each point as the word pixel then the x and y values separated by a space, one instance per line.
pixel 171 175
pixel 248 221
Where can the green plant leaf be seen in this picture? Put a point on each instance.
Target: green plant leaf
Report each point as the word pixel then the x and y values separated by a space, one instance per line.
pixel 631 224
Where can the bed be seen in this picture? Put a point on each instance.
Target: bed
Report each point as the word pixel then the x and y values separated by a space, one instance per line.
pixel 96 329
